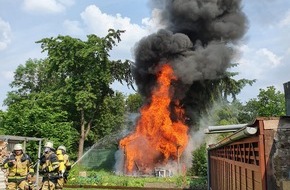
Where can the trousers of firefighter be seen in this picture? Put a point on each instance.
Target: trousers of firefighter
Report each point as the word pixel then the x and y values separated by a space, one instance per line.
pixel 54 167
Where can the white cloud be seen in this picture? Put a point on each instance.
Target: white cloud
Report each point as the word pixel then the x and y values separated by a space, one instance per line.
pixel 96 22
pixel 254 64
pixel 153 24
pixel 272 59
pixel 264 66
pixel 99 23
pixel 46 6
pixel 286 20
pixel 73 27
pixel 5 34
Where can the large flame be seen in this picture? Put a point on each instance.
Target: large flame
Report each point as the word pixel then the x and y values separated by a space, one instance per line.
pixel 157 139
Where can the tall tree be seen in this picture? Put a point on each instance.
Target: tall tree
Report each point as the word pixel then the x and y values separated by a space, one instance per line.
pixel 83 73
pixel 228 86
pixel 39 115
pixel 269 102
pixel 225 88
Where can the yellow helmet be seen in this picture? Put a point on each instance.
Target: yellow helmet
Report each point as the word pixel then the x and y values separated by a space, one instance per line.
pixel 48 144
pixel 17 147
pixel 61 147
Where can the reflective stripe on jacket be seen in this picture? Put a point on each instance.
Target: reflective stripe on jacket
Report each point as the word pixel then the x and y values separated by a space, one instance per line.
pixel 50 162
pixel 21 168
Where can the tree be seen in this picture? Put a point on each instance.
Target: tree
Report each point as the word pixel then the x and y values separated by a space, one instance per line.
pixel 228 86
pixel 199 162
pixel 40 116
pixel 82 74
pixel 34 112
pixel 2 120
pixel 269 102
pixel 207 92
pixel 112 115
pixel 134 102
pixel 71 88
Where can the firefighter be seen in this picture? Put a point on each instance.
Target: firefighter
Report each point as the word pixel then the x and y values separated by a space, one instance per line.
pixel 49 167
pixel 20 170
pixel 64 166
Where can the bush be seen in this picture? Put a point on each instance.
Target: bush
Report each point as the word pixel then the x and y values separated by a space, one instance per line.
pixel 199 162
pixel 198 184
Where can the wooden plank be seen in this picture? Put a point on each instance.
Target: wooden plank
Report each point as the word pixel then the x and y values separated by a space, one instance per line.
pixel 271 124
pixel 241 164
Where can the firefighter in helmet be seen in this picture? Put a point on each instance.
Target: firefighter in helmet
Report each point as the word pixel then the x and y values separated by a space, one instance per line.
pixel 20 170
pixel 64 166
pixel 49 167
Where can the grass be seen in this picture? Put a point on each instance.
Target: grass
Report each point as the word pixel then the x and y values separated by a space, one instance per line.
pixel 104 178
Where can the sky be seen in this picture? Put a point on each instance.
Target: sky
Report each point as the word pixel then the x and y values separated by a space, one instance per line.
pixel 264 52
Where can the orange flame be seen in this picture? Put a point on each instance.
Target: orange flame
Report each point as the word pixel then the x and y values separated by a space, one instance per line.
pixel 157 138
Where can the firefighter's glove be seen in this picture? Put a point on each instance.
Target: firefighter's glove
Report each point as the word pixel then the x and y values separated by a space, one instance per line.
pixel 42 159
pixel 10 164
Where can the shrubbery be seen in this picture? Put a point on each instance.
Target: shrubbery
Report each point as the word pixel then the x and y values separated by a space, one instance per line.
pixel 199 162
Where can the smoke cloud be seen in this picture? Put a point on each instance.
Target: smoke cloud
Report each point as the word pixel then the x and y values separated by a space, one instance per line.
pixel 197 41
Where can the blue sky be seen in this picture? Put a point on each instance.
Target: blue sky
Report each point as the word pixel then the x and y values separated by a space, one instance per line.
pixel 264 53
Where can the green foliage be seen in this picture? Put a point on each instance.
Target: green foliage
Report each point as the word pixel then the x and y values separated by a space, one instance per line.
pixel 225 88
pixel 105 178
pixel 198 184
pixel 28 78
pixel 111 115
pixel 228 86
pixel 2 120
pixel 269 102
pixel 67 97
pixel 199 162
pixel 83 74
pixel 40 116
pixel 226 113
pixel 134 102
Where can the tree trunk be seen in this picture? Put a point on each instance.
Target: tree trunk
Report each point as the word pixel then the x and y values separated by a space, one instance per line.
pixel 81 146
pixel 83 134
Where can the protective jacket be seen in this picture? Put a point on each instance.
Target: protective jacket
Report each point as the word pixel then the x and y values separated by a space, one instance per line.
pixel 21 168
pixel 49 163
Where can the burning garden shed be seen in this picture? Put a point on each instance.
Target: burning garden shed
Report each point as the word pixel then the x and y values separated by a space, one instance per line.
pixel 177 69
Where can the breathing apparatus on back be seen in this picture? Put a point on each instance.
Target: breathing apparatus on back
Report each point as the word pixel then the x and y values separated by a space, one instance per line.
pixel 60 157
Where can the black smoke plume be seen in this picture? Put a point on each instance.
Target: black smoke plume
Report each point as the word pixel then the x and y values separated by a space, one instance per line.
pixel 198 43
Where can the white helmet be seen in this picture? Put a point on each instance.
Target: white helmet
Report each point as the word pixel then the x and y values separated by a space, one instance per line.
pixel 61 147
pixel 48 144
pixel 17 147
